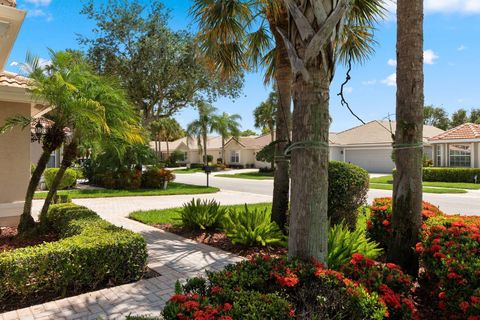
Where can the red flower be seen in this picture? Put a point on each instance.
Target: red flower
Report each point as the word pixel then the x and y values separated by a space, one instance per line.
pixel 453 275
pixel 227 307
pixel 191 305
pixel 225 318
pixel 178 298
pixel 386 223
pixel 441 295
pixel 419 247
pixel 475 299
pixel 464 305
pixel 392 266
pixel 216 290
pixel 292 313
pixel 441 305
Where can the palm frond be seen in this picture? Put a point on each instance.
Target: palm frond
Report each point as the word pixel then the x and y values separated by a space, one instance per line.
pixel 17 121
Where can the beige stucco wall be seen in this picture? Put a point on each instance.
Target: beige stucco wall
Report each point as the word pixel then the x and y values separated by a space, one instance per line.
pixel 14 162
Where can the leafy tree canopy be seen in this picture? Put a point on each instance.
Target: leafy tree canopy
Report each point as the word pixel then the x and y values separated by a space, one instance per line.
pixel 436 116
pixel 159 67
pixel 248 132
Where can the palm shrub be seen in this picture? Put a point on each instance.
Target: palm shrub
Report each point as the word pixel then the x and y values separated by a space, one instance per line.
pixel 69 178
pixel 343 243
pixel 252 227
pixel 202 215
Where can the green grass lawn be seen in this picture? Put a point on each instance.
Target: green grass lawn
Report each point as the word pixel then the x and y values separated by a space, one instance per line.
pixel 457 185
pixel 172 216
pixel 173 189
pixel 249 175
pixel 386 186
pixel 184 171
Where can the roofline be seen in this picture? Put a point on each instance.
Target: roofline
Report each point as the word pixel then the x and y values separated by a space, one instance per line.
pixel 14 17
pixel 454 141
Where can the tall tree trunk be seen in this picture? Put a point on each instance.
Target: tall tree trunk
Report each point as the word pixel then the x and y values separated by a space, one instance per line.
pixel 309 203
pixel 168 150
pixel 160 147
pixel 27 222
pixel 205 153
pixel 283 79
pixel 407 185
pixel 69 154
pixel 156 146
pixel 223 150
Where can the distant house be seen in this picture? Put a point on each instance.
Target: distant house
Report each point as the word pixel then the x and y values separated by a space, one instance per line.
pixel 370 145
pixel 457 147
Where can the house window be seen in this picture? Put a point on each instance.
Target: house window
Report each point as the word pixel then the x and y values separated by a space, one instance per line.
pixel 438 155
pixel 235 157
pixel 460 155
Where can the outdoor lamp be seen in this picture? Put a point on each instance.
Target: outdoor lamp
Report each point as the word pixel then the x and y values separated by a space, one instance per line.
pixel 38 133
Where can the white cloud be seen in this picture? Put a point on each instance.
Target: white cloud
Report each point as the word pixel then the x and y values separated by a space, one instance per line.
pixel 448 6
pixel 39 13
pixel 462 48
pixel 14 64
pixel 429 57
pixel 392 62
pixel 39 3
pixel 391 80
pixel 369 82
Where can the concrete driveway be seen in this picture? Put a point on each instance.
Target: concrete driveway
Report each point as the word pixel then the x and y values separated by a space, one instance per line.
pixel 467 204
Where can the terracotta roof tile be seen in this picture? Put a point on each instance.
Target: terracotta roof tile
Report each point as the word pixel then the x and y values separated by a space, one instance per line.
pixel 462 132
pixel 11 79
pixel 8 3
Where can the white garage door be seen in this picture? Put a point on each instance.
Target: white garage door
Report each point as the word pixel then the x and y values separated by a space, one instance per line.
pixel 372 160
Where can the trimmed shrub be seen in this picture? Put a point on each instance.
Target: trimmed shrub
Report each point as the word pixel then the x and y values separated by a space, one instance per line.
pixel 252 227
pixel 451 174
pixel 450 253
pixel 91 252
pixel 347 191
pixel 197 165
pixel 202 215
pixel 266 288
pixel 69 179
pixel 343 243
pixel 387 280
pixel 156 177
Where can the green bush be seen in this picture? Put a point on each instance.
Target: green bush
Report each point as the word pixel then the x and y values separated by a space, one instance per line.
pixel 91 252
pixel 347 191
pixel 343 243
pixel 252 227
pixel 155 177
pixel 62 198
pixel 69 179
pixel 197 165
pixel 202 214
pixel 451 174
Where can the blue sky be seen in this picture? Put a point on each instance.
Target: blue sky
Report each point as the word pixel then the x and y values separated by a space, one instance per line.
pixel 451 43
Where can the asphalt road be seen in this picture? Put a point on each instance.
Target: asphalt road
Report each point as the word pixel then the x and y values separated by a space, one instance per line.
pixel 466 204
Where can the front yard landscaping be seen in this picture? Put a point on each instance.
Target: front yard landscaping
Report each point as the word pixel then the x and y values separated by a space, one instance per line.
pixel 388 179
pixel 90 254
pixel 173 189
pixel 186 170
pixel 249 175
pixel 389 186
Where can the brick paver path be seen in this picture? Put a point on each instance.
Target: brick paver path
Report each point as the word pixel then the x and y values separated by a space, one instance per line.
pixel 170 255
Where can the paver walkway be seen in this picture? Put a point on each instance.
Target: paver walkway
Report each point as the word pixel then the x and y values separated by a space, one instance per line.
pixel 170 255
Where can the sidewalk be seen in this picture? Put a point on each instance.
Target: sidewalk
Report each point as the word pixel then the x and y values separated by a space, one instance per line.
pixel 170 255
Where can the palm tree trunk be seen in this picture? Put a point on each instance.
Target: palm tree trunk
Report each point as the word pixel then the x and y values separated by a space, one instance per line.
pixel 168 150
pixel 223 150
pixel 281 181
pixel 160 147
pixel 69 155
pixel 272 137
pixel 205 153
pixel 27 222
pixel 407 186
pixel 309 203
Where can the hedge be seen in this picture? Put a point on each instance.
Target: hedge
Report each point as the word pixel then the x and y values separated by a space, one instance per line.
pixel 451 174
pixel 69 179
pixel 91 253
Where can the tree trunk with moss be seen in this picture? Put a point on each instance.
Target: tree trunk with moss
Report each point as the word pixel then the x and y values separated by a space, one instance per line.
pixel 283 80
pixel 407 183
pixel 70 152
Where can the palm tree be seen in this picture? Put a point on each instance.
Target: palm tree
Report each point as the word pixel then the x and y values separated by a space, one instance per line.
pixel 166 129
pixel 320 32
pixel 237 36
pixel 265 117
pixel 407 185
pixel 226 125
pixel 95 108
pixel 202 126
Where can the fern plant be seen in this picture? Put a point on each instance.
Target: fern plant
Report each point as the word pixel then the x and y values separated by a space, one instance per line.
pixel 252 227
pixel 202 215
pixel 342 243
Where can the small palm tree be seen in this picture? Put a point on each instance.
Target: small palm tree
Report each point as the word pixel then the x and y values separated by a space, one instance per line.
pixel 226 125
pixel 94 108
pixel 265 116
pixel 166 129
pixel 202 126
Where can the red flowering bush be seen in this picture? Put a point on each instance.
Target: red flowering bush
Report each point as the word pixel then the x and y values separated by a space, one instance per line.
pixel 388 280
pixel 156 177
pixel 450 253
pixel 266 288
pixel 379 226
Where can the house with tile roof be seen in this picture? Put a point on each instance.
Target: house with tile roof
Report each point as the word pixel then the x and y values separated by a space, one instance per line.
pixel 457 147
pixel 14 100
pixel 368 146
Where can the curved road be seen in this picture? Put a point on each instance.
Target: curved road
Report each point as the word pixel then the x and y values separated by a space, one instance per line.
pixel 467 204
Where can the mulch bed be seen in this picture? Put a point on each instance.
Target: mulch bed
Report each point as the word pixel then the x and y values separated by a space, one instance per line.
pixel 10 241
pixel 219 240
